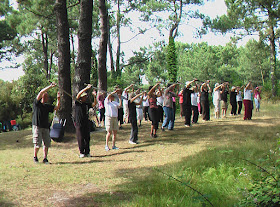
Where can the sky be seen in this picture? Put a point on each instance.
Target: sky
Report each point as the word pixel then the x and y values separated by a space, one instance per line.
pixel 212 8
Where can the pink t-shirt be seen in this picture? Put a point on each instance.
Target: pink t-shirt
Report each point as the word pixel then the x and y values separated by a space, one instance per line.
pixel 180 97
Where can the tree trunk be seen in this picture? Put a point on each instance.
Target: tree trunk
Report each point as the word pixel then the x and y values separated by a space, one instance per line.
pixel 102 69
pixel 45 45
pixel 64 76
pixel 118 70
pixel 110 48
pixel 83 65
pixel 272 61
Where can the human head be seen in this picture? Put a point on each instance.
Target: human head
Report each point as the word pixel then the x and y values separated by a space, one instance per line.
pixel 45 97
pixel 187 84
pixel 216 85
pixel 83 97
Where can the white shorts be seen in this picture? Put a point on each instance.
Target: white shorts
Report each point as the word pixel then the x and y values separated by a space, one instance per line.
pixel 139 112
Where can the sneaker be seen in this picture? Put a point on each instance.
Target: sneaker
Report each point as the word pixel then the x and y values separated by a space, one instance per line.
pixel 115 148
pixel 152 135
pixel 82 155
pixel 45 160
pixel 155 136
pixel 107 148
pixel 131 142
pixel 36 159
pixel 88 155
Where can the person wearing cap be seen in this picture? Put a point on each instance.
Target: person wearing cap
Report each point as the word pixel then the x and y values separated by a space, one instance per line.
pixel 111 118
pixel 40 122
pixel 82 121
pixel 187 110
pixel 257 98
pixel 168 106
pixel 232 100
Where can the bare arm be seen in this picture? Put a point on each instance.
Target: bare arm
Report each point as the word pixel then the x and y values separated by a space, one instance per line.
pixel 82 91
pixel 152 89
pixel 58 102
pixel 44 90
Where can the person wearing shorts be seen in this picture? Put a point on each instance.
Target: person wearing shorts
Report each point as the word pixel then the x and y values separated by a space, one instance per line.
pixel 111 118
pixel 40 122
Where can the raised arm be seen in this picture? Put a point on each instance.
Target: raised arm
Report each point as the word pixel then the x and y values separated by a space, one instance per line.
pixel 44 90
pixel 152 89
pixel 57 106
pixel 82 91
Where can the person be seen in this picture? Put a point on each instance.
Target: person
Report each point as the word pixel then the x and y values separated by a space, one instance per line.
pixel 82 121
pixel 194 105
pixel 125 93
pixel 233 102
pixel 168 107
pixel 139 107
pixel 93 110
pixel 111 118
pixel 145 106
pixel 160 105
pixel 217 99
pixel 153 110
pixel 224 97
pixel 187 102
pixel 257 98
pixel 204 100
pixel 180 95
pixel 120 109
pixel 248 101
pixel 40 122
pixel 239 98
pixel 133 116
pixel 100 98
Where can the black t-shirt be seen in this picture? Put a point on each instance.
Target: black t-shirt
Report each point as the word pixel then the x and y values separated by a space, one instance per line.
pixel 81 112
pixel 132 110
pixel 40 115
pixel 204 96
pixel 224 96
pixel 187 97
pixel 232 97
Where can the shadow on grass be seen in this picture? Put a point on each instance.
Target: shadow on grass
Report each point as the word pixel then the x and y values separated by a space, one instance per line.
pixel 4 203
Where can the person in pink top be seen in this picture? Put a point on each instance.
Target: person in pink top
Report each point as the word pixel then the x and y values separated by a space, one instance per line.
pixel 257 98
pixel 101 98
pixel 180 95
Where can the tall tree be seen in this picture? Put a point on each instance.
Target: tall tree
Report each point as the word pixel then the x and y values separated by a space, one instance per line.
pixel 64 76
pixel 262 16
pixel 102 58
pixel 83 65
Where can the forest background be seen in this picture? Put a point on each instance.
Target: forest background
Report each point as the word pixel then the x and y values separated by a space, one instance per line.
pixel 45 34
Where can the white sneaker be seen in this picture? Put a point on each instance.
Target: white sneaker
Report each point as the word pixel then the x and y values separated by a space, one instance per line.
pixel 82 155
pixel 131 142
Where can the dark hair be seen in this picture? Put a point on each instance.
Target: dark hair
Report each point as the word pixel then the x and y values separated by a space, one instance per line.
pixel 150 87
pixel 169 84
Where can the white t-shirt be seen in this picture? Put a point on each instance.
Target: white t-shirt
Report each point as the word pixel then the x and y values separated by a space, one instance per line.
pixel 111 108
pixel 238 96
pixel 145 101
pixel 247 94
pixel 125 99
pixel 216 96
pixel 194 99
pixel 160 101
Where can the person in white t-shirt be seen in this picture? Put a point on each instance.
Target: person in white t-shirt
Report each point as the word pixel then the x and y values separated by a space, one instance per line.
pixel 217 99
pixel 194 105
pixel 111 118
pixel 125 102
pixel 239 99
pixel 145 106
pixel 248 101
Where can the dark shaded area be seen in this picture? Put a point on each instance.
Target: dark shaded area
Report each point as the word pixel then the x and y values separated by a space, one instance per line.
pixel 4 203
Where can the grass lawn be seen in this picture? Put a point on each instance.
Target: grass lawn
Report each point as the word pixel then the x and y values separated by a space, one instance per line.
pixel 209 157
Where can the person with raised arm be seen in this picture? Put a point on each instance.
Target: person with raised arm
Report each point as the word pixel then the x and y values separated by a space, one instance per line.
pixel 40 122
pixel 133 116
pixel 111 118
pixel 217 99
pixel 204 100
pixel 125 95
pixel 248 101
pixel 153 109
pixel 82 121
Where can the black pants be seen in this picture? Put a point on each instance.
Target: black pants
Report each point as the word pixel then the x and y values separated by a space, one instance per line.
pixel 195 114
pixel 102 114
pixel 205 110
pixel 239 106
pixel 233 108
pixel 134 130
pixel 146 114
pixel 120 115
pixel 153 114
pixel 160 114
pixel 83 137
pixel 188 115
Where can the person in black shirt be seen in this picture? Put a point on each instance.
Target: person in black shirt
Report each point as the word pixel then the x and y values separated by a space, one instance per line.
pixel 224 97
pixel 233 101
pixel 40 121
pixel 82 121
pixel 204 100
pixel 133 117
pixel 187 110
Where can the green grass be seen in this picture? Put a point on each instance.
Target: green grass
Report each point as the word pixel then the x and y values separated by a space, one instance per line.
pixel 209 157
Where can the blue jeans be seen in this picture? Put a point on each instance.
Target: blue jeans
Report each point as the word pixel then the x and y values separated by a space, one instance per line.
pixel 169 117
